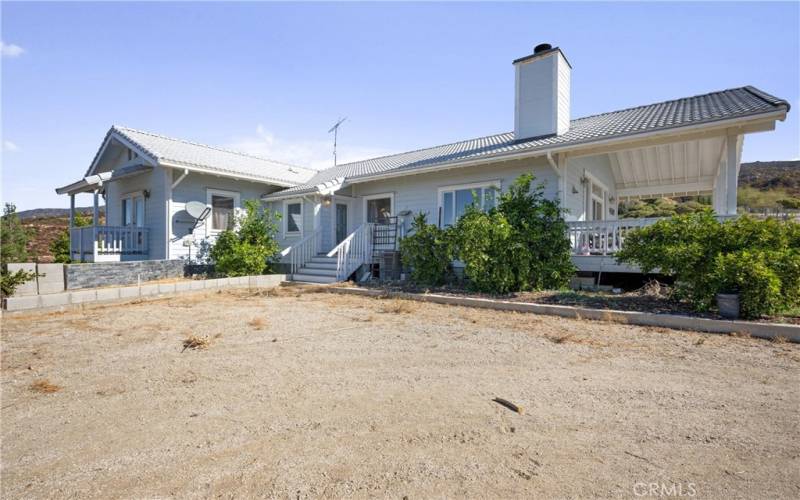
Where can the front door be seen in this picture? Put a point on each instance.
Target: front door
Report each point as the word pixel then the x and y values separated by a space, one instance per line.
pixel 341 222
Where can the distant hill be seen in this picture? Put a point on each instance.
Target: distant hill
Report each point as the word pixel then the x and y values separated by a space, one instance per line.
pixel 46 225
pixel 38 213
pixel 772 175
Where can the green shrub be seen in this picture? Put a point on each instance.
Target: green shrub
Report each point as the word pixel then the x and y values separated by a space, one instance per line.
pixel 749 275
pixel 10 281
pixel 13 237
pixel 760 259
pixel 13 248
pixel 60 246
pixel 428 251
pixel 483 242
pixel 250 246
pixel 789 203
pixel 519 245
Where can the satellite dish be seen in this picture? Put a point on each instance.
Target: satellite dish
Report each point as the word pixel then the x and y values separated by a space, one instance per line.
pixel 197 209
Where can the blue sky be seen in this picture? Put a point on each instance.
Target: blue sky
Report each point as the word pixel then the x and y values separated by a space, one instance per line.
pixel 271 78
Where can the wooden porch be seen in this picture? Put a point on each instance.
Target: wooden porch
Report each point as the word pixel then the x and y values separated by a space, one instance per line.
pixel 109 243
pixel 595 242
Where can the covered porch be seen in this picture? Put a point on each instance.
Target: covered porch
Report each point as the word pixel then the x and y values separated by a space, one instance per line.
pixel 99 241
pixel 704 166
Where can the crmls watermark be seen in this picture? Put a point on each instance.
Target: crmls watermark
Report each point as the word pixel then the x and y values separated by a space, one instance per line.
pixel 664 489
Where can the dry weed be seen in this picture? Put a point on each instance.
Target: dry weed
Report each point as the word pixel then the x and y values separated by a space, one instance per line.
pixel 740 335
pixel 195 342
pixel 573 339
pixel 257 323
pixel 44 386
pixel 399 306
pixel 700 341
pixel 559 340
pixel 780 339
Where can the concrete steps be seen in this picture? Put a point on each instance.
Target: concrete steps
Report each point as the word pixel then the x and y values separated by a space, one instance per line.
pixel 320 269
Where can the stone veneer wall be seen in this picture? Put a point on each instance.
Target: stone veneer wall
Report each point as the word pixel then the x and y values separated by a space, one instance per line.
pixel 97 274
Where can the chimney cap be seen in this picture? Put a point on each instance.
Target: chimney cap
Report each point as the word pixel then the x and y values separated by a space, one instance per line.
pixel 542 50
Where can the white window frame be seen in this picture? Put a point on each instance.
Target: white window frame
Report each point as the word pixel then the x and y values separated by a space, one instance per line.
pixel 378 197
pixel 237 205
pixel 286 232
pixel 496 183
pixel 131 196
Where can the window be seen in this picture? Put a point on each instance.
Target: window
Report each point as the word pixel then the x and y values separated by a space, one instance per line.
pixel 453 201
pixel 221 212
pixel 293 211
pixel 224 205
pixel 132 210
pixel 378 207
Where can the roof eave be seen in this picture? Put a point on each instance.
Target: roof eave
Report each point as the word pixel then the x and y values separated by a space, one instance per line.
pixel 280 195
pixel 222 173
pixel 571 147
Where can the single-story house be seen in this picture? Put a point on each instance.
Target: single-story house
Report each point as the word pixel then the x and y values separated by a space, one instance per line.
pixel 335 219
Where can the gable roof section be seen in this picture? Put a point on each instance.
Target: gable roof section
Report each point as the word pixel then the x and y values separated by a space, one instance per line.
pixel 193 156
pixel 700 109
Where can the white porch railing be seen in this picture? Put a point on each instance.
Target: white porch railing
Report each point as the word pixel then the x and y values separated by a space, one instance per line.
pixel 605 237
pixel 353 251
pixel 303 251
pixel 97 243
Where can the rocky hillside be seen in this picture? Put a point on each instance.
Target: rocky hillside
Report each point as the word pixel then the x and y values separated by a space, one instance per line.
pixel 772 175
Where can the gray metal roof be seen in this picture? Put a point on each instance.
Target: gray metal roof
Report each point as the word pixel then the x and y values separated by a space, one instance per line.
pixel 700 109
pixel 193 155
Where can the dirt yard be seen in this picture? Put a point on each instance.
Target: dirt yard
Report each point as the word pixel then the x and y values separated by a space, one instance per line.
pixel 308 395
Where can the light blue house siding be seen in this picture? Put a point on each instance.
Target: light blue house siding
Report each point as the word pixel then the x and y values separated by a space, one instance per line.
pixel 307 226
pixel 598 167
pixel 196 187
pixel 420 193
pixel 155 206
pixel 412 193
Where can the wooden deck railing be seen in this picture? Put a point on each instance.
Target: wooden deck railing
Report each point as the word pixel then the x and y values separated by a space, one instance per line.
pixel 93 243
pixel 353 251
pixel 605 237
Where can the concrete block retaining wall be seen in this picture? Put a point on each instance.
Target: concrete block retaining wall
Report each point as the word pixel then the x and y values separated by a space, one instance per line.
pixel 121 273
pixel 761 330
pixel 77 297
pixel 50 278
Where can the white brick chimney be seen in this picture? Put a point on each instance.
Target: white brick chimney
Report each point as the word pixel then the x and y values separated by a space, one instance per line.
pixel 541 101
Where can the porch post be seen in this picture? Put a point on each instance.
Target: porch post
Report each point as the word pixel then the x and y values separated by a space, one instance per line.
pixel 71 210
pixel 96 214
pixel 732 175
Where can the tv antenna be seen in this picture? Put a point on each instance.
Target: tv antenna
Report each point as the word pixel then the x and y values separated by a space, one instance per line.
pixel 335 130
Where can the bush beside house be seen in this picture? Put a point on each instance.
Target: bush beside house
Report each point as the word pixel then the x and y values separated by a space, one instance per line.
pixel 520 244
pixel 758 259
pixel 250 246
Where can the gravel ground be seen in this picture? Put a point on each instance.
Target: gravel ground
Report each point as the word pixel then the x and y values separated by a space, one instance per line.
pixel 321 395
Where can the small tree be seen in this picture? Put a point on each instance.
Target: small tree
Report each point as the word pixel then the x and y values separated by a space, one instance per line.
pixel 13 248
pixel 519 245
pixel 541 250
pixel 60 246
pixel 250 246
pixel 428 251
